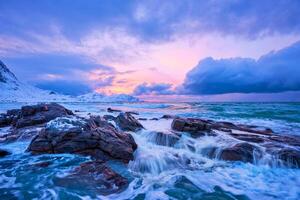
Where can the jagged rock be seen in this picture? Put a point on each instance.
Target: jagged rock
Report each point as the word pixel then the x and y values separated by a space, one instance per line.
pixel 93 176
pixel 290 157
pixel 25 133
pixel 113 110
pixel 119 111
pixel 244 152
pixel 195 126
pixel 127 122
pixel 168 117
pixel 132 113
pixel 4 153
pixel 27 121
pixel 5 120
pixel 249 137
pixel 154 119
pixel 41 113
pixel 94 137
pixel 165 138
pixel 142 119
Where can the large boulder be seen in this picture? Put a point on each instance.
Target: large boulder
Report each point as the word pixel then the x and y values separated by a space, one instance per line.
pixel 244 152
pixel 127 122
pixel 201 126
pixel 94 137
pixel 40 113
pixel 32 115
pixel 27 121
pixel 197 127
pixel 93 176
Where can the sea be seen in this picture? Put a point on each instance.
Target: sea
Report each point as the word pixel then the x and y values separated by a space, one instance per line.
pixel 161 172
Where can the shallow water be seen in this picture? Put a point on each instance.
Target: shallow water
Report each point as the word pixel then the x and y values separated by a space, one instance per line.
pixel 171 170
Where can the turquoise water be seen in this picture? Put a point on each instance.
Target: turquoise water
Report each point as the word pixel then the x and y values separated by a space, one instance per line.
pixel 162 172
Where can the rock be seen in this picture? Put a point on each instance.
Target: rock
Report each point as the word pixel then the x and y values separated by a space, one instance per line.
pixel 248 137
pixel 116 110
pixel 13 112
pixel 94 137
pixel 8 118
pixel 244 152
pixel 165 138
pixel 40 113
pixel 93 176
pixel 195 126
pixel 132 113
pixel 113 110
pixel 290 157
pixel 142 119
pixel 5 120
pixel 4 153
pixel 25 133
pixel 27 121
pixel 168 117
pixel 127 122
pixel 154 119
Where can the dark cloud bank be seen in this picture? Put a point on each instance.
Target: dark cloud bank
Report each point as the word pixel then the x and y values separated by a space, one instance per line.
pixel 274 72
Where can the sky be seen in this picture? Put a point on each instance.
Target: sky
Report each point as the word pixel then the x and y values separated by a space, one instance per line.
pixel 211 50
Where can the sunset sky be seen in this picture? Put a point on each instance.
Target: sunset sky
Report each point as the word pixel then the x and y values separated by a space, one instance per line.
pixel 149 48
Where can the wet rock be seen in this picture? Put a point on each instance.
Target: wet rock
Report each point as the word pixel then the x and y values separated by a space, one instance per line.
pixel 5 120
pixel 142 119
pixel 195 126
pixel 292 140
pixel 290 157
pixel 4 153
pixel 41 113
pixel 165 138
pixel 13 112
pixel 27 121
pixel 248 137
pixel 132 113
pixel 168 117
pixel 94 137
pixel 25 133
pixel 93 176
pixel 154 119
pixel 113 110
pixel 127 122
pixel 244 152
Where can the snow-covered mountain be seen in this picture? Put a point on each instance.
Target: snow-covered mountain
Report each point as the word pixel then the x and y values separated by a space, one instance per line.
pixel 13 90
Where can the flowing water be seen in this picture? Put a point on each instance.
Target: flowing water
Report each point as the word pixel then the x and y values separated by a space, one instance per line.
pixel 162 168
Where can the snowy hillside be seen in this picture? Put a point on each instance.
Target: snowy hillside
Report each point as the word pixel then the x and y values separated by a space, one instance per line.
pixel 13 90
